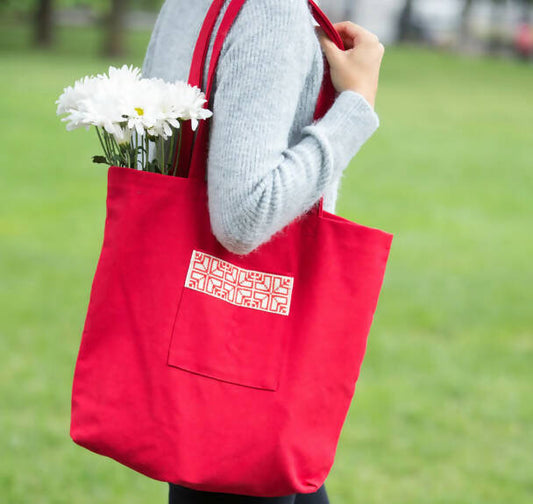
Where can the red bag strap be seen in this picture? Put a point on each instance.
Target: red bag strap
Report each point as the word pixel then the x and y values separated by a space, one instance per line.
pixel 196 75
pixel 198 159
pixel 202 45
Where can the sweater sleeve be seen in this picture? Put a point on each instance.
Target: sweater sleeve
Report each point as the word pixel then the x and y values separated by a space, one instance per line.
pixel 257 182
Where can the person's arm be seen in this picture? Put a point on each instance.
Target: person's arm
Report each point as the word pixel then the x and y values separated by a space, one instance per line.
pixel 257 183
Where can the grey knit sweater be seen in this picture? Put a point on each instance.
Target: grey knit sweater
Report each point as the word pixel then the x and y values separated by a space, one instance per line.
pixel 268 161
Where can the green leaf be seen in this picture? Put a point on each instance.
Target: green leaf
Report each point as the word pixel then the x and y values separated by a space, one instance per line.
pixel 100 160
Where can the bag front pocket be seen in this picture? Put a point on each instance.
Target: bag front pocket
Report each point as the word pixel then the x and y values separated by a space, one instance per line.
pixel 231 323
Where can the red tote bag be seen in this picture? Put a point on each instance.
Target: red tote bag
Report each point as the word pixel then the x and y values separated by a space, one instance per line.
pixel 211 370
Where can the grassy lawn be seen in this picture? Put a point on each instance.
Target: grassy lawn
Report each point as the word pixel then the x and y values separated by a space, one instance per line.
pixel 443 408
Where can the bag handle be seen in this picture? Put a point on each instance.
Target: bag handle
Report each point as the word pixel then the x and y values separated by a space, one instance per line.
pixel 198 159
pixel 182 154
pixel 196 73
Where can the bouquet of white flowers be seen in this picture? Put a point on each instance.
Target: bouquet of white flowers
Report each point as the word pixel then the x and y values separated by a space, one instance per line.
pixel 133 116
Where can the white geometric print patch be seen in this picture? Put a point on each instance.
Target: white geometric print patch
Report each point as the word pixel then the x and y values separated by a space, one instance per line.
pixel 250 289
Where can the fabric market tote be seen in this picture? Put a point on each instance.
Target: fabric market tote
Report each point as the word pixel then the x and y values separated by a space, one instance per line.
pixel 211 370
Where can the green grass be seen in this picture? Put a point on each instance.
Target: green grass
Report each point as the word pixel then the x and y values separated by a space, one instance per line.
pixel 443 408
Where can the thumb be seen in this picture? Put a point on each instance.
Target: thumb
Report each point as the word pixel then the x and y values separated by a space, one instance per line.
pixel 328 46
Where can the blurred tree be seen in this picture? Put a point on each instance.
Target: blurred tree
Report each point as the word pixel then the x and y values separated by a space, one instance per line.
pixel 527 6
pixel 464 30
pixel 494 40
pixel 41 13
pixel 115 28
pixel 43 23
pixel 405 22
pixel 409 28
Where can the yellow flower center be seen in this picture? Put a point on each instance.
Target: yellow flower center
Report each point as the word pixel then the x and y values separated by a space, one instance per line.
pixel 139 110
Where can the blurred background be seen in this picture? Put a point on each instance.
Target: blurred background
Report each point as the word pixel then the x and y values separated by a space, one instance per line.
pixel 443 410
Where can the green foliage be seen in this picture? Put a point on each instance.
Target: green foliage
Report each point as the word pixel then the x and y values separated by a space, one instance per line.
pixel 443 410
pixel 17 5
pixel 26 6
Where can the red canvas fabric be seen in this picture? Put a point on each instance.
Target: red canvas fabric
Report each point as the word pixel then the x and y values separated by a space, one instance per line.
pixel 215 371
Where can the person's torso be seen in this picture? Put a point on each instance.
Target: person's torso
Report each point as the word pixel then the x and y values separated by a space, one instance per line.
pixel 171 47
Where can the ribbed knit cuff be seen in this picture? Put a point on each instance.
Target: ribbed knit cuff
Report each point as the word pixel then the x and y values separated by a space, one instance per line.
pixel 346 126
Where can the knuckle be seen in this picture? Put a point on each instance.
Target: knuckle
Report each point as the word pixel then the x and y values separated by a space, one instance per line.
pixel 370 38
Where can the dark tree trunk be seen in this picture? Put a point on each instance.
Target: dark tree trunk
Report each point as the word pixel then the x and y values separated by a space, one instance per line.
pixel 465 21
pixel 405 22
pixel 115 28
pixel 495 15
pixel 43 23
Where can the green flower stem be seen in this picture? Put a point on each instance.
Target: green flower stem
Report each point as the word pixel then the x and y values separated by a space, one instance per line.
pixel 102 143
pixel 136 144
pixel 118 152
pixel 116 155
pixel 143 153
pixel 109 146
pixel 147 142
pixel 173 150
pixel 162 146
pixel 130 152
pixel 179 150
pixel 140 152
pixel 133 153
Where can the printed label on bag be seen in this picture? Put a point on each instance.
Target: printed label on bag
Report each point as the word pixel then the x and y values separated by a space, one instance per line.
pixel 250 289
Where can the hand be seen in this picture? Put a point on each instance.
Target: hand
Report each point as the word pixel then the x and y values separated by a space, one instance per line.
pixel 357 67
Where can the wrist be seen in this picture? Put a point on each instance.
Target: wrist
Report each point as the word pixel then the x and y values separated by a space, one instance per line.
pixel 369 96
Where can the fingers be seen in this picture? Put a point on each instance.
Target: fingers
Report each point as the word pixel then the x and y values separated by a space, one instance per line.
pixel 355 67
pixel 349 29
pixel 353 34
pixel 353 29
pixel 328 46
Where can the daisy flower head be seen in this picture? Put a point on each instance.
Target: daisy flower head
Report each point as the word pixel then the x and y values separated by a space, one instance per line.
pixel 192 101
pixel 131 111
